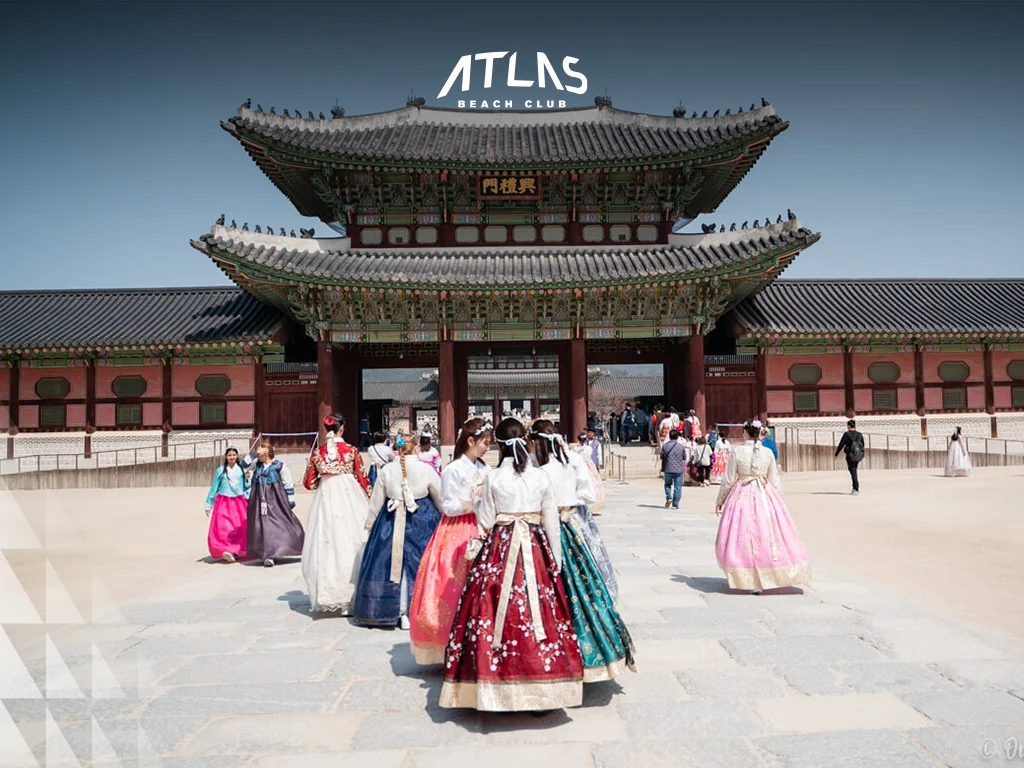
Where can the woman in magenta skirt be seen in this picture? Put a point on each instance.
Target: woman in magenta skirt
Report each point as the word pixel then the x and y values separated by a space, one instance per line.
pixel 226 505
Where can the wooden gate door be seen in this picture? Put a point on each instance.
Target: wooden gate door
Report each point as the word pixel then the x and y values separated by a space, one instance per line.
pixel 292 409
pixel 729 402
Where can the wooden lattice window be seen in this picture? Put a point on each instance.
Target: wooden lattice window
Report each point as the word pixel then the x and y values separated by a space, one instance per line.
pixel 884 373
pixel 213 413
pixel 593 233
pixel 53 388
pixel 495 234
pixel 954 371
pixel 129 386
pixel 647 233
pixel 426 235
pixel 127 415
pixel 466 235
pixel 53 415
pixel 371 236
pixel 1015 370
pixel 213 384
pixel 524 233
pixel 621 233
pixel 804 373
pixel 398 236
pixel 552 233
pixel 884 399
pixel 805 401
pixel 1017 397
pixel 954 398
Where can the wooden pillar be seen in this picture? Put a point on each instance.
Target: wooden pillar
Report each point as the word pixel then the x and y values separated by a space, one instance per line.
pixel 348 390
pixel 496 410
pixel 446 393
pixel 167 410
pixel 761 384
pixel 919 388
pixel 851 410
pixel 565 391
pixel 578 384
pixel 674 375
pixel 696 379
pixel 261 397
pixel 13 408
pixel 990 390
pixel 324 386
pixel 535 406
pixel 90 405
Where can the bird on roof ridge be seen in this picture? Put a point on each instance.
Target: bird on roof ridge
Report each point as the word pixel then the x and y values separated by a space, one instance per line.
pixel 247 103
pixel 764 102
pixel 258 229
pixel 790 215
pixel 220 220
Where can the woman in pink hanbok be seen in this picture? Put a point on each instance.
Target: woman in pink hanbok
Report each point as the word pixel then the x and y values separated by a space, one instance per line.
pixel 757 545
pixel 226 506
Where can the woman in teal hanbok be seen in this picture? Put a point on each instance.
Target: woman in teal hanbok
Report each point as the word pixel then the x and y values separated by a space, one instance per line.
pixel 604 641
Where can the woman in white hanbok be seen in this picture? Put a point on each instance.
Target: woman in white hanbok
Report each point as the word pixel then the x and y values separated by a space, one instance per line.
pixel 333 547
pixel 958 460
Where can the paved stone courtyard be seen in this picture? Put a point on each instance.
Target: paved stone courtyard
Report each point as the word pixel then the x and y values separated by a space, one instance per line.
pixel 216 665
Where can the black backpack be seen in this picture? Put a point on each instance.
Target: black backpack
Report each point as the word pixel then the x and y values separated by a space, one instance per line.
pixel 856 450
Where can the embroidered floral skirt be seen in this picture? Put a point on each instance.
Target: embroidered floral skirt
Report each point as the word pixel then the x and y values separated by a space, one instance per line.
pixel 380 601
pixel 439 583
pixel 605 644
pixel 757 545
pixel 532 661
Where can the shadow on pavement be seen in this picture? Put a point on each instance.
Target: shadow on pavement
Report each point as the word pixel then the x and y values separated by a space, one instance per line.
pixel 717 585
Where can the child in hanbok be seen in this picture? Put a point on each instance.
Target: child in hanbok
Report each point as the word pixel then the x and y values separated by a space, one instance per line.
pixel 513 646
pixel 226 507
pixel 757 545
pixel 334 535
pixel 272 529
pixel 958 460
pixel 604 641
pixel 444 566
pixel 402 517
pixel 428 454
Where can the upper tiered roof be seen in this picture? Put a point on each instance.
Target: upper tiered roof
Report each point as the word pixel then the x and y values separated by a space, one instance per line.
pixel 289 149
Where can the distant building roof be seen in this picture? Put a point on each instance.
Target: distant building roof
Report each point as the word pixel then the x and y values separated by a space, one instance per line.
pixel 910 306
pixel 96 318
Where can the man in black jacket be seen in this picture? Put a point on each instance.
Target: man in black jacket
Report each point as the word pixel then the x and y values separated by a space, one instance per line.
pixel 853 444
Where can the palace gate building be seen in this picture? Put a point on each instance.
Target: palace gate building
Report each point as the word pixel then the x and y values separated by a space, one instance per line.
pixel 472 242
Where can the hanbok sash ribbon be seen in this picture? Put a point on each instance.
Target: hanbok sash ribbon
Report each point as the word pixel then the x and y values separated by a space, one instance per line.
pixel 521 543
pixel 760 483
pixel 401 507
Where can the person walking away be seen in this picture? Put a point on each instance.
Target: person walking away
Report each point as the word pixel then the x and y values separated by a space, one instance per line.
pixel 673 455
pixel 604 641
pixel 853 443
pixel 272 530
pixel 378 455
pixel 335 535
pixel 767 442
pixel 226 508
pixel 722 450
pixel 364 432
pixel 403 513
pixel 958 460
pixel 757 545
pixel 702 459
pixel 643 424
pixel 445 564
pixel 512 646
pixel 596 451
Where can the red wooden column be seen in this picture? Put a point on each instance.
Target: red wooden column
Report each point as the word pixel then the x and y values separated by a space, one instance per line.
pixel 696 378
pixel 496 411
pixel 324 386
pixel 12 410
pixel 919 388
pixel 446 393
pixel 674 372
pixel 578 384
pixel 851 411
pixel 565 391
pixel 990 390
pixel 761 384
pixel 90 405
pixel 261 399
pixel 348 390
pixel 166 396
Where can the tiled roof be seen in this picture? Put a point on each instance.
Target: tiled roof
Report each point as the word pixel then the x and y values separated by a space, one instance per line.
pixel 501 266
pixel 405 392
pixel 429 134
pixel 924 306
pixel 629 387
pixel 132 316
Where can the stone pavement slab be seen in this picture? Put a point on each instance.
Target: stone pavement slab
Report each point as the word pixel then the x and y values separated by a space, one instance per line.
pixel 225 667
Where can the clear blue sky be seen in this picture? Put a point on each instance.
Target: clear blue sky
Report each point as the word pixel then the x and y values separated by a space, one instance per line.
pixel 904 148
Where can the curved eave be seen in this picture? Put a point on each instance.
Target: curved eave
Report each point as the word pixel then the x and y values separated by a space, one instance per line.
pixel 289 166
pixel 260 278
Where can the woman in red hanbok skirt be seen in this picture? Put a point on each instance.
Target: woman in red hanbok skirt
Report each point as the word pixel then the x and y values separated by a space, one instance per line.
pixel 513 646
pixel 226 505
pixel 444 566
